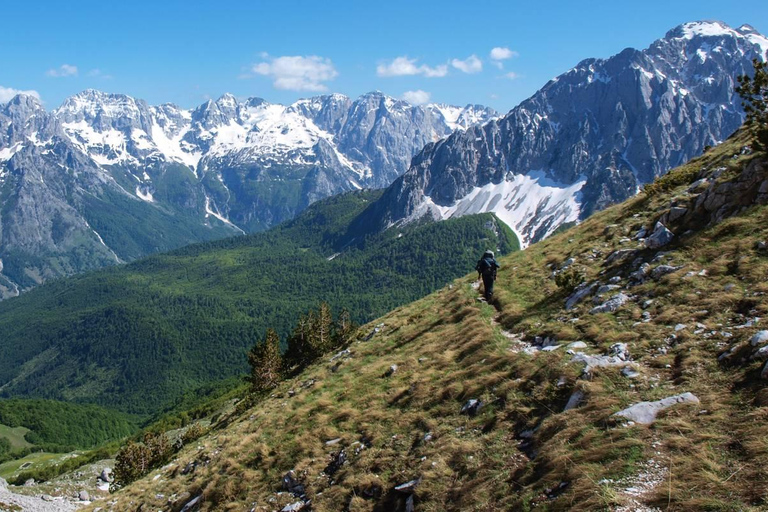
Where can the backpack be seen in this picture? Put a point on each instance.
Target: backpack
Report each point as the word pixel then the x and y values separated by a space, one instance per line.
pixel 486 267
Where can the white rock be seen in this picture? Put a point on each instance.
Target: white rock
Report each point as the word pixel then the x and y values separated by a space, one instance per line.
pixel 645 412
pixel 759 338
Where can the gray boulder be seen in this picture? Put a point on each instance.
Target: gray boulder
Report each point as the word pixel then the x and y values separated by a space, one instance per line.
pixel 582 291
pixel 663 270
pixel 645 412
pixel 611 304
pixel 759 338
pixel 661 236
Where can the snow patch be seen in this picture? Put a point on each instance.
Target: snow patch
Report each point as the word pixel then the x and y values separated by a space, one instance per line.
pixel 145 196
pixel 527 203
pixel 210 211
pixel 7 153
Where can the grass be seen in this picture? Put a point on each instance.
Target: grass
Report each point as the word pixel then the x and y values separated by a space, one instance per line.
pixel 36 460
pixel 522 451
pixel 15 435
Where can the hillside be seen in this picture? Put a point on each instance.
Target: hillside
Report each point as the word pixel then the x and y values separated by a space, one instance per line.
pixel 659 317
pixel 136 337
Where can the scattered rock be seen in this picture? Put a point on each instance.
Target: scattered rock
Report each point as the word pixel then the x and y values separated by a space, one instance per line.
pixel 761 245
pixel 574 401
pixel 680 327
pixel 661 236
pixel 294 507
pixel 629 372
pixel 760 338
pixel 292 485
pixel 29 483
pixel 390 371
pixel 729 287
pixel 607 288
pixel 675 213
pixel 598 361
pixel 581 291
pixel 615 280
pixel 611 304
pixel 620 350
pixel 645 412
pixel 764 373
pixel 83 496
pixel 408 487
pixel 619 256
pixel 472 407
pixel 106 475
pixel 333 442
pixel 338 355
pixel 46 497
pixel 663 270
pixel 337 461
pixel 761 353
pixel 577 344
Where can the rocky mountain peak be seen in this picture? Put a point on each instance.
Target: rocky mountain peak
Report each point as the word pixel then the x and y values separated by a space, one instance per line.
pixel 589 138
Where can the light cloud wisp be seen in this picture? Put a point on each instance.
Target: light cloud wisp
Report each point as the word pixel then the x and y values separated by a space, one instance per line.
pixel 417 97
pixel 297 73
pixel 62 71
pixel 403 66
pixel 469 65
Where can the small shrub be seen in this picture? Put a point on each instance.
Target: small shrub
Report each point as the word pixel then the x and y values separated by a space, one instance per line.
pixel 569 279
pixel 135 460
pixel 195 431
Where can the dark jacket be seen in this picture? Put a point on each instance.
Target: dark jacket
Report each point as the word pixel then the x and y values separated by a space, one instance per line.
pixel 487 266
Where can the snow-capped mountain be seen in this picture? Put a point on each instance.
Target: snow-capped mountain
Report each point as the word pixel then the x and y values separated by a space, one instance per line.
pixel 107 177
pixel 589 138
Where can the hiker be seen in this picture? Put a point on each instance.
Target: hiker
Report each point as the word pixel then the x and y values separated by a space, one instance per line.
pixel 486 268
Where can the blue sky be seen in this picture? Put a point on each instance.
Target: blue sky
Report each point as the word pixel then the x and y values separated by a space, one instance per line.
pixel 185 52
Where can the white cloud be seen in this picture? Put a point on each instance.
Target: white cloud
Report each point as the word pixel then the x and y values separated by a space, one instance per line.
pixel 297 73
pixel 469 65
pixel 503 53
pixel 417 97
pixel 7 93
pixel 512 75
pixel 402 66
pixel 63 70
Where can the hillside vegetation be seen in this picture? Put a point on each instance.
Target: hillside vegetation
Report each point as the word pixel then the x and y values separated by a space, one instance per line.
pixel 390 424
pixel 137 337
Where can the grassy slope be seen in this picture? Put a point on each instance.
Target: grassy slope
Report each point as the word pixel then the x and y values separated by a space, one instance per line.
pixel 15 435
pixel 449 348
pixel 136 337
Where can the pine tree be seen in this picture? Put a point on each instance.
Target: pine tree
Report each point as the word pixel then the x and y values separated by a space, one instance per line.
pixel 754 95
pixel 299 352
pixel 322 332
pixel 266 362
pixel 344 328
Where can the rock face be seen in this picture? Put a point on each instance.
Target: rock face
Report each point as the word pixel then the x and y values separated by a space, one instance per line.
pixel 645 412
pixel 588 138
pixel 108 178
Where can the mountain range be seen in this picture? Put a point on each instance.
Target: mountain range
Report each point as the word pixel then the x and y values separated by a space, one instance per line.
pixel 107 178
pixel 591 137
